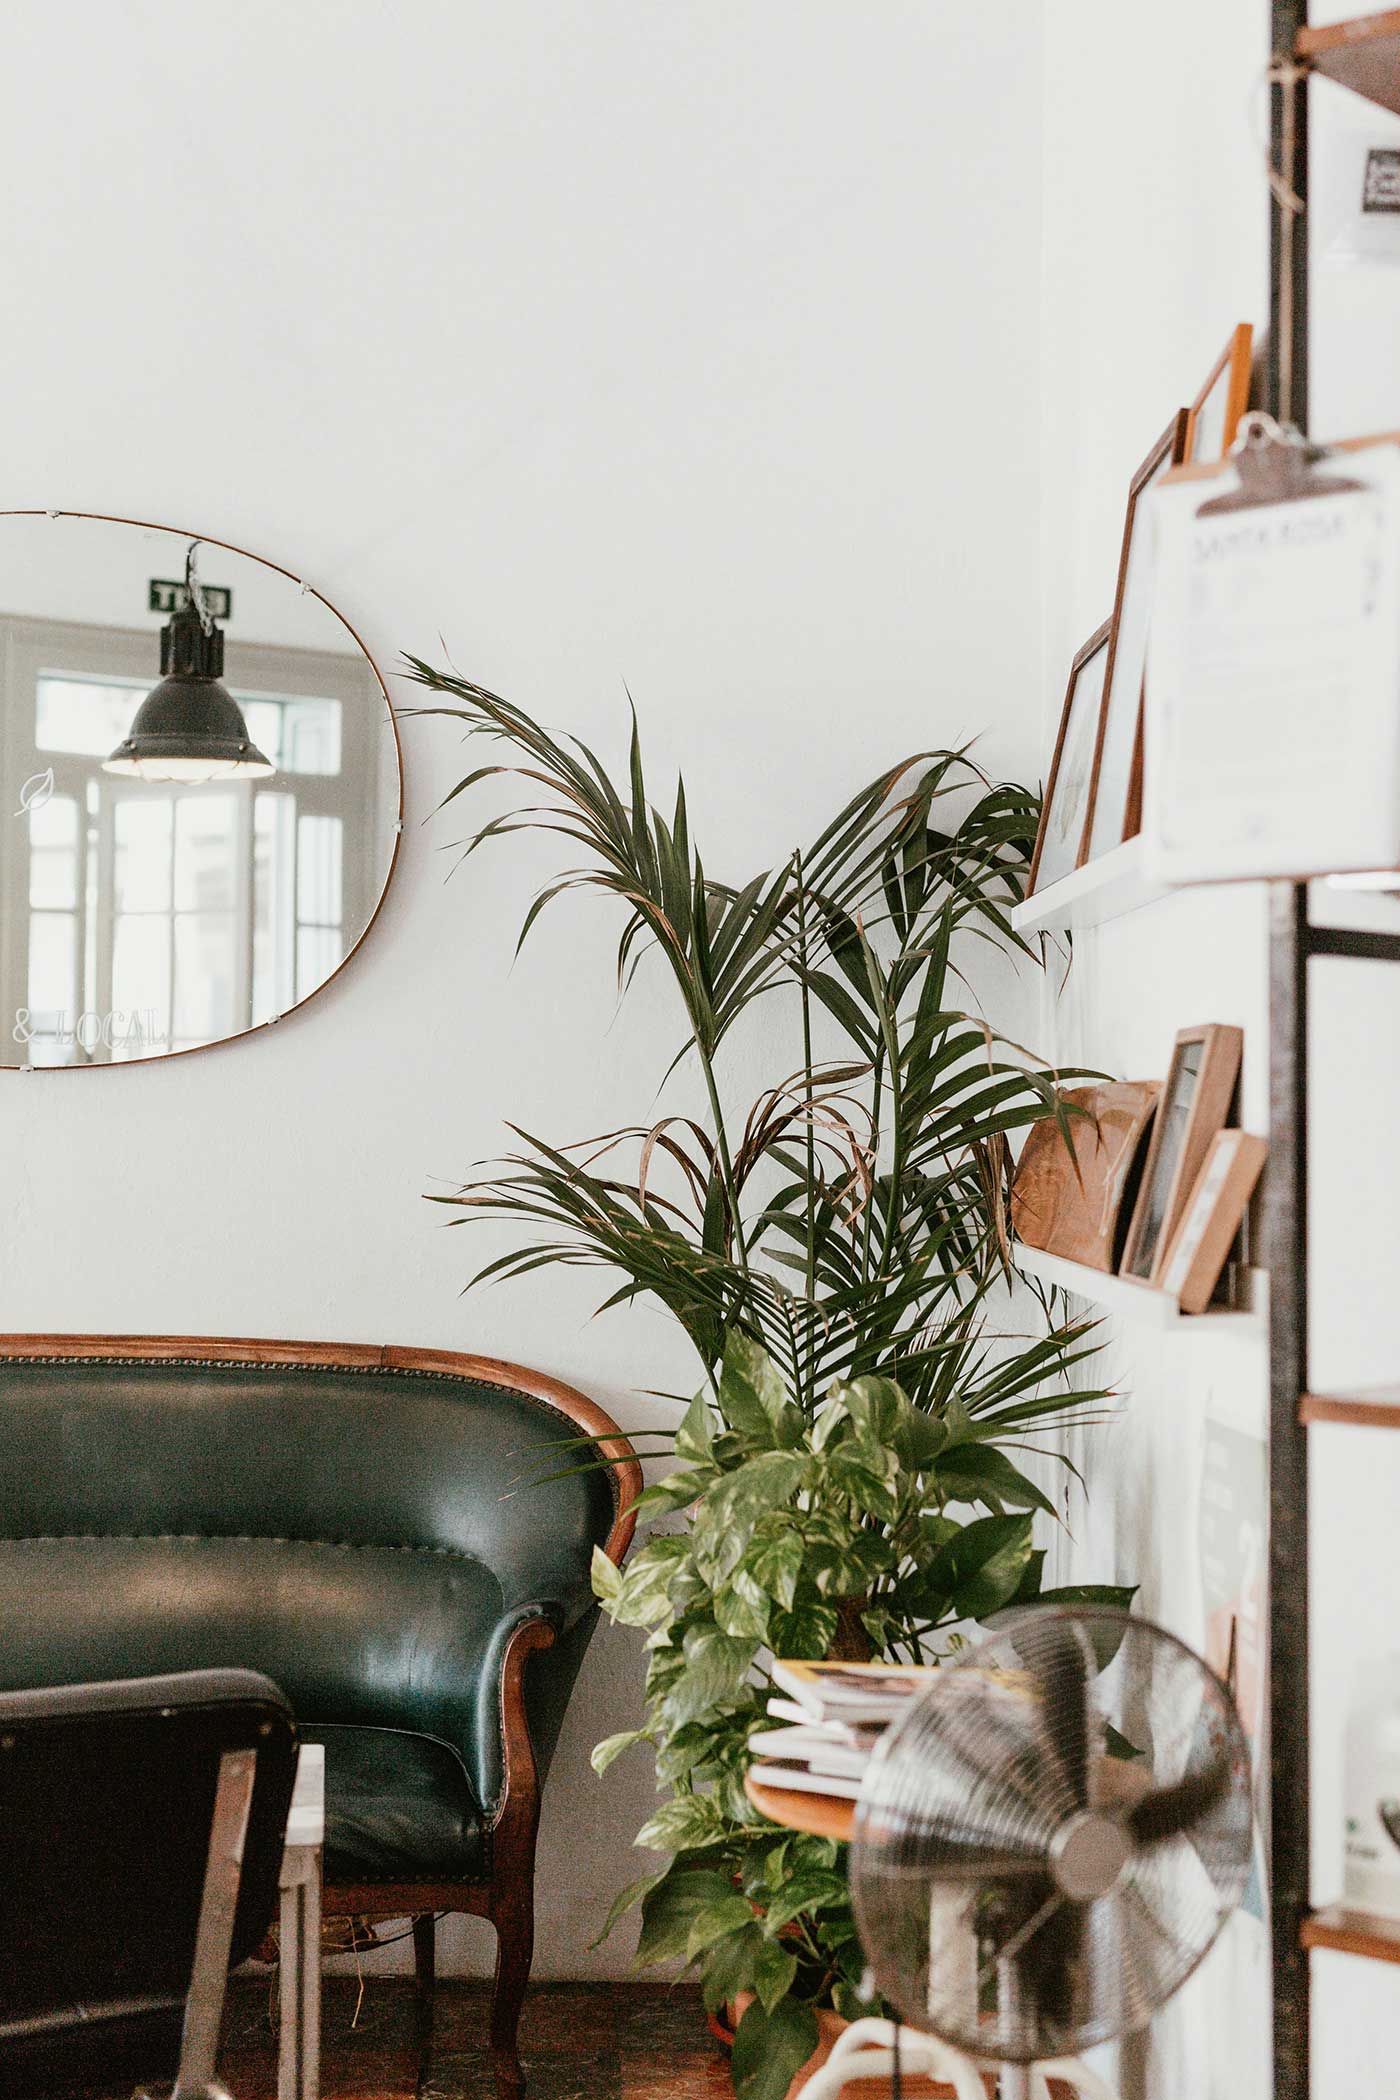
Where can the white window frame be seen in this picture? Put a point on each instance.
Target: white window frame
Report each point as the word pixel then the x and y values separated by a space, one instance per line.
pixel 31 648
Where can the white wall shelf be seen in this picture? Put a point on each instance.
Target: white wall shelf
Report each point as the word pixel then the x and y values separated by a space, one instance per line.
pixel 1354 1932
pixel 1102 889
pixel 1375 1407
pixel 1135 1302
pixel 1363 54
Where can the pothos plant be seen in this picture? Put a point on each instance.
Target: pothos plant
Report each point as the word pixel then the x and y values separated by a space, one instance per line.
pixel 847 1482
pixel 791 1516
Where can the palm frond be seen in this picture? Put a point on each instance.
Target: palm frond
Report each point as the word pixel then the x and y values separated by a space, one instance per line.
pixel 854 1218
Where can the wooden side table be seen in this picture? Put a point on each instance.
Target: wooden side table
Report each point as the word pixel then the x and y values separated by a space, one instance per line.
pixel 820 1815
pixel 299 2047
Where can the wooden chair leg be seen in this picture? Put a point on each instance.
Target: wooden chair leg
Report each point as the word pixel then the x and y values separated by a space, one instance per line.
pixel 514 1919
pixel 425 1953
pixel 512 1904
pixel 425 1969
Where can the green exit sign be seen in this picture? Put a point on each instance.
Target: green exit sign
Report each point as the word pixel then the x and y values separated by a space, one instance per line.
pixel 166 596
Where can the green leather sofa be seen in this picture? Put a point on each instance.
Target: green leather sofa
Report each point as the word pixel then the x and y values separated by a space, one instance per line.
pixel 374 1529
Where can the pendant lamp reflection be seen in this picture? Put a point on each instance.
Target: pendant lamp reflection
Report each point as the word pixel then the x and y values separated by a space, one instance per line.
pixel 189 727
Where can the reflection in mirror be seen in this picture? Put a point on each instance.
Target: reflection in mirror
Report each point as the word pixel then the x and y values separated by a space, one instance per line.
pixel 199 791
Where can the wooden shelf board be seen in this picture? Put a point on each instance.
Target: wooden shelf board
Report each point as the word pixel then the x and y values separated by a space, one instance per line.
pixel 1373 1407
pixel 1134 1301
pixel 1362 54
pixel 1353 1932
pixel 1102 889
pixel 820 1815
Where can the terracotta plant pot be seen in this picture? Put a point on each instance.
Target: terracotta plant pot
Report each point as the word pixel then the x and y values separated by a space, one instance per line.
pixel 830 2028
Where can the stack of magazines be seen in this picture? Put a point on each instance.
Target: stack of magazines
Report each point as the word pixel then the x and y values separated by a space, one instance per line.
pixel 834 1715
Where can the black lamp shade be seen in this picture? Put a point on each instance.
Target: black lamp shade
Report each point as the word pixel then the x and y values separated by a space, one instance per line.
pixel 189 727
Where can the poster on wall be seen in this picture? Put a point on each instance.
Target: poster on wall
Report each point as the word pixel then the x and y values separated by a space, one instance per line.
pixel 1234 1562
pixel 1272 736
pixel 1233 1570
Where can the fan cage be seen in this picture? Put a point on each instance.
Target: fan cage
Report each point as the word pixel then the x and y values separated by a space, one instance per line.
pixel 1064 1721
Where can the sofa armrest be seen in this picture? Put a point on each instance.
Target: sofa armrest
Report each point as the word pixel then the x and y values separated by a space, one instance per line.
pixel 518 1708
pixel 501 1755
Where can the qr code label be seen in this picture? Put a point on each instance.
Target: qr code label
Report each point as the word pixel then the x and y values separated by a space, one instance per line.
pixel 1381 189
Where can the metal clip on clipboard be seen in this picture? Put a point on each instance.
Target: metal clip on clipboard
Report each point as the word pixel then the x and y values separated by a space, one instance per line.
pixel 1276 464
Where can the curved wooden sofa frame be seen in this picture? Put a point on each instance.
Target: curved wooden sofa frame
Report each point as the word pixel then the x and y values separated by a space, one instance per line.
pixel 508 1899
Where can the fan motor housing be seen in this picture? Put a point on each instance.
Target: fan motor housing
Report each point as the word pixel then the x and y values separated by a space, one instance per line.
pixel 1088 1855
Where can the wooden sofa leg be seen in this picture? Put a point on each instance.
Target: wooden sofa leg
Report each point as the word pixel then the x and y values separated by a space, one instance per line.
pixel 514 1918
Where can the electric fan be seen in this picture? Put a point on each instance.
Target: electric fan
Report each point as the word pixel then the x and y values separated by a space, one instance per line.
pixel 1049 1841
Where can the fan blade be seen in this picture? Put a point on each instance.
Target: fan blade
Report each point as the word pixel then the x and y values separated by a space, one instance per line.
pixel 944 1847
pixel 1130 1969
pixel 995 1916
pixel 1165 1940
pixel 1063 1665
pixel 975 1863
pixel 1048 1971
pixel 1035 1937
pixel 972 1871
pixel 1174 1810
pixel 1181 1882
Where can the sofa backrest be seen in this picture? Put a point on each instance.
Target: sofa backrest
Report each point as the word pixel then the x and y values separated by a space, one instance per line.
pixel 355 1522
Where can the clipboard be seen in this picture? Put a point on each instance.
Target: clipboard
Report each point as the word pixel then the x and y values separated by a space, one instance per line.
pixel 1272 709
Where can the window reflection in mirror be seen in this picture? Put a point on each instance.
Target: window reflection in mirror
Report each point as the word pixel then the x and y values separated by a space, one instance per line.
pixel 142 916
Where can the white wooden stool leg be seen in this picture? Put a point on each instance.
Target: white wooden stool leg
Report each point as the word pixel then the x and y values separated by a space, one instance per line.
pixel 1076 2073
pixel 299 2049
pixel 289 1950
pixel 866 2050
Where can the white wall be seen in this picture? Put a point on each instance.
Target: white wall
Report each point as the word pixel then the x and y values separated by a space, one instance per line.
pixel 1154 247
pixel 1155 244
pixel 694 345
pixel 712 347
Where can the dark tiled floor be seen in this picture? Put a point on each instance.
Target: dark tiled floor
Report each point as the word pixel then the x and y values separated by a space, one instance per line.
pixel 577 2042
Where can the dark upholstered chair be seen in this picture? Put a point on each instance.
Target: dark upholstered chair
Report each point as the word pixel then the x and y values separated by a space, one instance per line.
pixel 372 1528
pixel 142 1835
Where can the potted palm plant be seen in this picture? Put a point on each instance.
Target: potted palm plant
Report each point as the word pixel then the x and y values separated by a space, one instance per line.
pixel 848 1480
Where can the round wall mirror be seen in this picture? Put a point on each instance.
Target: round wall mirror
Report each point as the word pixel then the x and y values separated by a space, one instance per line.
pixel 199 791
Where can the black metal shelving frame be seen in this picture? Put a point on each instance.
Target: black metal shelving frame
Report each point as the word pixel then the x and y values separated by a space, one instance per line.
pixel 1285 1207
pixel 1294 943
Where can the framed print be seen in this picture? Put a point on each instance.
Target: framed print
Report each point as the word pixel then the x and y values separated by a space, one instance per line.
pixel 1066 804
pixel 1115 789
pixel 1215 413
pixel 1211 1217
pixel 1194 1104
pixel 1073 1188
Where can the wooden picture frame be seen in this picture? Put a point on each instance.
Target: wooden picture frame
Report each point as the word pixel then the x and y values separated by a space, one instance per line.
pixel 1115 789
pixel 1194 1104
pixel 1214 415
pixel 1060 834
pixel 1211 1217
pixel 1073 1188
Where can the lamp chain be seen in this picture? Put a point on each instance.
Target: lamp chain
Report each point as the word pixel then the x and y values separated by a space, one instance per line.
pixel 195 590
